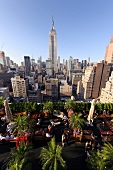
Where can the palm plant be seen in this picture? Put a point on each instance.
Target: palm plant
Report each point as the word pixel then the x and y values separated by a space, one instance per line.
pixel 1 102
pixel 48 107
pixel 51 158
pixel 101 159
pixel 95 161
pixel 23 124
pixel 76 121
pixel 70 104
pixel 20 158
pixel 107 154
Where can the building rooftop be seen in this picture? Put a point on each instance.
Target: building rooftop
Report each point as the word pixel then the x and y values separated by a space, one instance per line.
pixel 3 88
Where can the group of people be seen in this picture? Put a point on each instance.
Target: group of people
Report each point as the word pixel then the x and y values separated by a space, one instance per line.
pixel 91 145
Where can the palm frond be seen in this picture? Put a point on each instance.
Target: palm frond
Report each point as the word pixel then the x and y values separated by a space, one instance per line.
pixel 51 158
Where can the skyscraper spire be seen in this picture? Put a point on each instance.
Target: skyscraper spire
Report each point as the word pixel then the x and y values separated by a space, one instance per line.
pixel 52 24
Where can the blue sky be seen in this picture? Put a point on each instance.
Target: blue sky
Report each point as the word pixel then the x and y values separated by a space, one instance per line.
pixel 83 27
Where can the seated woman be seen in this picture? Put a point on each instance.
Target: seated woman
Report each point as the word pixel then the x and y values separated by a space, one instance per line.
pixel 7 136
pixel 1 136
pixel 48 135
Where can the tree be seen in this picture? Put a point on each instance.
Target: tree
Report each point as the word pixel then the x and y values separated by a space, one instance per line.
pixel 51 158
pixel 99 107
pixel 81 106
pixel 20 157
pixel 106 106
pixel 34 107
pixel 48 107
pixel 76 121
pixel 87 106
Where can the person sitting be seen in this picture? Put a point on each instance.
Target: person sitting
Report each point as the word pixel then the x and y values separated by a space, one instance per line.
pixel 86 144
pixel 88 154
pixel 48 135
pixel 99 146
pixel 51 121
pixel 66 124
pixel 89 146
pixel 2 137
pixel 104 112
pixel 39 121
pixel 7 136
pixel 3 119
pixel 11 136
pixel 63 139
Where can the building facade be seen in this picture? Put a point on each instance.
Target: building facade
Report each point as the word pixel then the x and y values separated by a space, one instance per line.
pixel 107 92
pixel 4 92
pixel 101 76
pixel 20 86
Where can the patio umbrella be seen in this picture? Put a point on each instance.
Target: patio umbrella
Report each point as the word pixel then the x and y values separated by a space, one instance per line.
pixel 7 111
pixel 90 116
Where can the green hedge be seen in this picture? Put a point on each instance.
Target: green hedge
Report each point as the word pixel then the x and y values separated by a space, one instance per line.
pixel 62 106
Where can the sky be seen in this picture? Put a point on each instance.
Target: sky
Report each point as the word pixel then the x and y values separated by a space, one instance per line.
pixel 84 28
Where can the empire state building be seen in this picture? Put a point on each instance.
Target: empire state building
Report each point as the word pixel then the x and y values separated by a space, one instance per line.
pixel 53 48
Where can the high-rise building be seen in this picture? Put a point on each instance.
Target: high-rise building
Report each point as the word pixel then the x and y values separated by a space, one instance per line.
pixel 34 95
pixel 27 65
pixel 58 63
pixel 39 66
pixel 70 63
pixel 84 86
pixel 19 86
pixel 109 52
pixel 2 58
pixel 33 64
pixel 87 80
pixel 52 89
pixel 107 92
pixel 53 48
pixel 49 69
pixel 22 64
pixel 101 76
pixel 88 61
pixel 8 63
pixel 84 64
pixel 12 62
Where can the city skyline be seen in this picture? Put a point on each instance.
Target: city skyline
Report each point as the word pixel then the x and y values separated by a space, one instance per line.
pixel 83 30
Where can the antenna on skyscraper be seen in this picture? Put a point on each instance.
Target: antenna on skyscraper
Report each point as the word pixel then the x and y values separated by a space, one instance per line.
pixel 52 23
pixel 2 46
